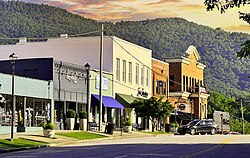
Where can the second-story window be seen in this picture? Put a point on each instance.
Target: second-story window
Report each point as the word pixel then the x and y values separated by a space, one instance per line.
pixel 142 75
pixel 124 70
pixel 147 78
pixel 160 87
pixel 130 72
pixel 183 83
pixel 117 69
pixel 137 74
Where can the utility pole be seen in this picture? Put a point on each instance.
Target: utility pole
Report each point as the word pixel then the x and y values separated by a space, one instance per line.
pixel 100 81
pixel 87 66
pixel 199 100
pixel 242 117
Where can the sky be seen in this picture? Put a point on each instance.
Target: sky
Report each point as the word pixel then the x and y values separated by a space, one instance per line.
pixel 118 10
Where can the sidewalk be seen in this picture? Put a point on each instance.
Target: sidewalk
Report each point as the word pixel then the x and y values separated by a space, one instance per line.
pixel 61 140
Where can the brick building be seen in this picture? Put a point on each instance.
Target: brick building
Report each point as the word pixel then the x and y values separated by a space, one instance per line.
pixel 160 76
pixel 187 92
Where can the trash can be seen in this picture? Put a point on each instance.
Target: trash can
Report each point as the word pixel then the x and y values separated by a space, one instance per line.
pixel 110 128
pixel 167 127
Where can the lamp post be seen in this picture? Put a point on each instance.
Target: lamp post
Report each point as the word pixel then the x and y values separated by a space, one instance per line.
pixel 87 66
pixel 13 58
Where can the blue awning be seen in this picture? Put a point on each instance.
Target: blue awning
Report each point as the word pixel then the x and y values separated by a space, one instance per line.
pixel 106 101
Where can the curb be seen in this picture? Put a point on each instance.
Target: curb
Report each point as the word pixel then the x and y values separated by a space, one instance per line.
pixel 24 148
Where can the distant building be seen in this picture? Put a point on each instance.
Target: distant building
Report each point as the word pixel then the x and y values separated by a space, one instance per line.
pixel 187 91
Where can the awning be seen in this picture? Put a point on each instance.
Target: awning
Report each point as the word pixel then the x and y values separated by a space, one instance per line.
pixel 106 101
pixel 185 116
pixel 125 99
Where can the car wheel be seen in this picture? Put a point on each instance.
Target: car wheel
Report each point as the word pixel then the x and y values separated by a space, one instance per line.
pixel 213 131
pixel 192 131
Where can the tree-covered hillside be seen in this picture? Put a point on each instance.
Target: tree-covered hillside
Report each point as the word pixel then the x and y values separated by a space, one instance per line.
pixel 225 73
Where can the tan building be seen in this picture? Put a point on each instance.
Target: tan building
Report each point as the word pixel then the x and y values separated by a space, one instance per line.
pixel 160 76
pixel 186 85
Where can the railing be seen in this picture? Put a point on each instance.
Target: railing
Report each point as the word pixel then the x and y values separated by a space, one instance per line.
pixel 196 90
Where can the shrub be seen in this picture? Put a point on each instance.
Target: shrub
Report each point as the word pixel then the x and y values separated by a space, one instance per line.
pixel 127 122
pixel 83 115
pixel 174 125
pixel 48 125
pixel 71 113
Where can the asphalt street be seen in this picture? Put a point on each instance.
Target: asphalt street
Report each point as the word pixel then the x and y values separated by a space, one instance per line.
pixel 199 146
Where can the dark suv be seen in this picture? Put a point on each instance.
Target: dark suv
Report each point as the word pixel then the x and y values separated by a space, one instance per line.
pixel 199 126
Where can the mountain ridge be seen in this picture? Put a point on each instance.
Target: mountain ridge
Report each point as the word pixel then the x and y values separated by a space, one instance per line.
pixel 166 37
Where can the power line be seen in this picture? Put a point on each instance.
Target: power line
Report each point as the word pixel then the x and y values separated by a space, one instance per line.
pixel 119 83
pixel 141 61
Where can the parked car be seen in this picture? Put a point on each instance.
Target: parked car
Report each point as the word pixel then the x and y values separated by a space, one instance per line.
pixel 199 126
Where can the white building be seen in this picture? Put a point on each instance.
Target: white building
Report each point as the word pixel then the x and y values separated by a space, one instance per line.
pixel 129 63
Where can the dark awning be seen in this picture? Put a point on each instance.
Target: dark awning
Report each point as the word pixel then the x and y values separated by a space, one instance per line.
pixel 106 101
pixel 125 99
pixel 185 116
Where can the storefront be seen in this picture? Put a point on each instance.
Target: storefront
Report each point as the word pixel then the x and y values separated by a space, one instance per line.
pixel 32 102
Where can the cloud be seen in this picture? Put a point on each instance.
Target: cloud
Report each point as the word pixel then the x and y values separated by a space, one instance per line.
pixel 192 7
pixel 160 2
pixel 237 28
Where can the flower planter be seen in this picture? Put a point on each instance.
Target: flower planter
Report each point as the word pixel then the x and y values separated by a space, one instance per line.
pixel 49 133
pixel 127 128
pixel 83 124
pixel 70 123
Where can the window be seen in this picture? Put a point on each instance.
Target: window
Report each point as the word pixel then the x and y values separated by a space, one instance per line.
pixel 160 87
pixel 142 75
pixel 171 80
pixel 186 83
pixel 130 72
pixel 147 78
pixel 124 70
pixel 117 69
pixel 137 74
pixel 183 83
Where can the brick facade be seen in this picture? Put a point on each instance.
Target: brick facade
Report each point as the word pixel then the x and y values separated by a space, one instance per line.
pixel 160 80
pixel 186 76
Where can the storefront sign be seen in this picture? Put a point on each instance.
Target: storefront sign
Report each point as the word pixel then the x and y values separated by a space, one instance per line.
pixel 105 83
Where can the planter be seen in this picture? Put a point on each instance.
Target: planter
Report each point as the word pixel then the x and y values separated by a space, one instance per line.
pixel 70 123
pixel 83 124
pixel 127 128
pixel 49 133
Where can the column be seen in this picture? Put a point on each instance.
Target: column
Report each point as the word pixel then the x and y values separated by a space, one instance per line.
pixel 24 111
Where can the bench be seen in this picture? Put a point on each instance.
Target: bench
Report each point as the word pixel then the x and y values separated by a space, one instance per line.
pixel 93 126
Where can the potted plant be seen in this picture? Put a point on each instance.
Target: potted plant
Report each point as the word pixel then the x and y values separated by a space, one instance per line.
pixel 174 126
pixel 48 129
pixel 83 120
pixel 70 115
pixel 127 125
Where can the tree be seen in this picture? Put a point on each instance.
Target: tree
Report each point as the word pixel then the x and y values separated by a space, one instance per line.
pixel 153 108
pixel 223 5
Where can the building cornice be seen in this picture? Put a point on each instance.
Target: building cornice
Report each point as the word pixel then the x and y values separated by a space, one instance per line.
pixel 178 60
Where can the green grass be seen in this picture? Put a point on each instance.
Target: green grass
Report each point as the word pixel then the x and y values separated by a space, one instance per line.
pixel 80 135
pixel 18 143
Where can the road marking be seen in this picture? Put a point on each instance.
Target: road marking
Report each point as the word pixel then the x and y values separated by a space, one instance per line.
pixel 226 141
pixel 121 156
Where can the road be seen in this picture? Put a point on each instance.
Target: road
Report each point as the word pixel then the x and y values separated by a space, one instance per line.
pixel 198 146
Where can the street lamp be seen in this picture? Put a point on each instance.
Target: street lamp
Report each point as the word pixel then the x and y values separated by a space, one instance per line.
pixel 13 58
pixel 87 66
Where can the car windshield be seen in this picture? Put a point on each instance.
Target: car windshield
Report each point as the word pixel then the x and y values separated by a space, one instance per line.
pixel 193 122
